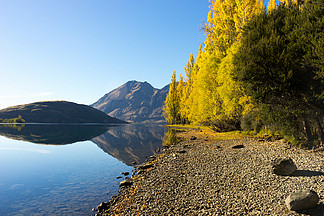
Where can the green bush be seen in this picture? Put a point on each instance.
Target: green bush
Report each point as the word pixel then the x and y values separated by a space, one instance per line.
pixel 280 64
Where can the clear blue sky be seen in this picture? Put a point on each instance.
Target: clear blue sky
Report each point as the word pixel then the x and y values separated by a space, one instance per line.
pixel 78 50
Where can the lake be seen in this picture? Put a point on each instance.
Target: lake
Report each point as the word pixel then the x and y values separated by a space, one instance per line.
pixel 55 169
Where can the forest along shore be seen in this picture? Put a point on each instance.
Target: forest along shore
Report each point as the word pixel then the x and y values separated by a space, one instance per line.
pixel 205 175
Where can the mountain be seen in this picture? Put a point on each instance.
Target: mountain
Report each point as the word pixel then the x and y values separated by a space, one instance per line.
pixel 135 102
pixel 57 112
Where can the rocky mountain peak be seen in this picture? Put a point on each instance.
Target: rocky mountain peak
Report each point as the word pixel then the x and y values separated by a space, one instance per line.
pixel 135 102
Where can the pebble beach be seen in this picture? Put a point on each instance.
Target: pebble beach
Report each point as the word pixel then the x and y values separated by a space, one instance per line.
pixel 210 176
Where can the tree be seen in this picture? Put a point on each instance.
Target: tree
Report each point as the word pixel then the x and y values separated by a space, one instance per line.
pixel 190 69
pixel 20 119
pixel 277 65
pixel 172 102
pixel 226 20
pixel 181 90
pixel 218 98
pixel 212 96
pixel 272 5
pixel 311 34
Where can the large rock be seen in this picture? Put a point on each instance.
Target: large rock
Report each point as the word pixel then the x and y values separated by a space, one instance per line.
pixel 283 166
pixel 238 146
pixel 301 200
pixel 102 207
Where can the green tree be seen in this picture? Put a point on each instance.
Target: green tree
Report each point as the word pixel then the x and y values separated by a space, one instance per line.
pixel 20 119
pixel 279 68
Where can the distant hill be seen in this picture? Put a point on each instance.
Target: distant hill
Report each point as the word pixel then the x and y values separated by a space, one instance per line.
pixel 135 102
pixel 57 112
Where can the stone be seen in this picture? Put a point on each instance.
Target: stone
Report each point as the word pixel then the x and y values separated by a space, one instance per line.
pixel 152 157
pixel 283 166
pixel 140 172
pixel 238 146
pixel 193 138
pixel 126 183
pixel 124 173
pixel 144 166
pixel 119 177
pixel 301 200
pixel 103 206
pixel 182 151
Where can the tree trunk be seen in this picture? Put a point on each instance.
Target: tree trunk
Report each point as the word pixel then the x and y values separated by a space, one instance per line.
pixel 307 131
pixel 320 128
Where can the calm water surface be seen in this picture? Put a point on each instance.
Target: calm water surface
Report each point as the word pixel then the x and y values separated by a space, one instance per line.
pixel 68 169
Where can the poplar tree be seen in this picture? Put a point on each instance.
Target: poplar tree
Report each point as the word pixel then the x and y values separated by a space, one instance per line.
pixel 190 69
pixel 181 90
pixel 219 100
pixel 172 102
pixel 272 5
pixel 194 93
pixel 211 95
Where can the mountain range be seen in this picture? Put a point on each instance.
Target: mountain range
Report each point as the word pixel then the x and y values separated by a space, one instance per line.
pixel 134 101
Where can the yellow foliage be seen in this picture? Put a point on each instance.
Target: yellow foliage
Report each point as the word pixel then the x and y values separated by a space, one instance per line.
pixel 209 92
pixel 172 102
pixel 181 90
pixel 272 5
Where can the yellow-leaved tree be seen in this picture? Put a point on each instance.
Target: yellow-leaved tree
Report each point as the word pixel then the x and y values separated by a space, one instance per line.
pixel 211 95
pixel 181 90
pixel 172 102
pixel 272 5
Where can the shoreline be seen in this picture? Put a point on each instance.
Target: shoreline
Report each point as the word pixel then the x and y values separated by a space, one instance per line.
pixel 205 175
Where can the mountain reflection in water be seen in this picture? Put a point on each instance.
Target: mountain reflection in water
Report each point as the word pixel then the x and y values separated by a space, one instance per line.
pixel 127 143
pixel 131 143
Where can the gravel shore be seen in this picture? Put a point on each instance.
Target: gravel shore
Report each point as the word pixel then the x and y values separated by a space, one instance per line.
pixel 207 176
